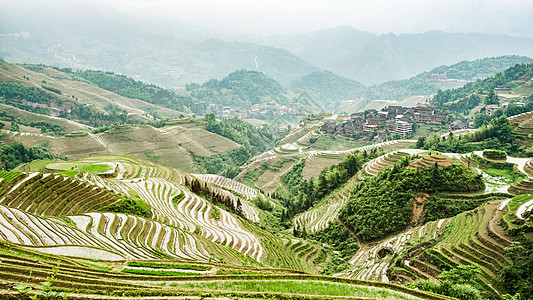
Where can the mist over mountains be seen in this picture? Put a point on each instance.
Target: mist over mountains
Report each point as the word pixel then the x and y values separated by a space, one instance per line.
pixel 172 53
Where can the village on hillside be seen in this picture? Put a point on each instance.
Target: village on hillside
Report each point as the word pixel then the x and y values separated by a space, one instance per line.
pixel 395 121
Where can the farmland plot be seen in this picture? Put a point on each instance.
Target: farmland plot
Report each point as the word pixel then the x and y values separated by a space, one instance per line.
pixel 193 212
pixel 105 236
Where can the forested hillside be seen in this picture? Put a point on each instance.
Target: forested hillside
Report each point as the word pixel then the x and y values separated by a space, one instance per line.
pixel 455 76
pixel 384 204
pixel 508 78
pixel 240 89
pixel 128 87
pixel 42 101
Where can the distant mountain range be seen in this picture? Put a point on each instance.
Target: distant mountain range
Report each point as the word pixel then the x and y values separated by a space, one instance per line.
pixel 172 53
pixel 330 89
pixel 372 59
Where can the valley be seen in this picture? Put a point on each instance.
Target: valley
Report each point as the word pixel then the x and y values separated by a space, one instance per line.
pixel 266 178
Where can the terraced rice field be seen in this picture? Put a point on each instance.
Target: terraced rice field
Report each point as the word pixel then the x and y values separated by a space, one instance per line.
pixel 429 161
pixel 105 236
pixel 183 223
pixel 388 160
pixel 373 260
pixel 319 217
pixel 50 194
pixel 229 184
pixel 473 237
pixel 234 189
pixel 523 123
pixel 86 278
pixel 193 212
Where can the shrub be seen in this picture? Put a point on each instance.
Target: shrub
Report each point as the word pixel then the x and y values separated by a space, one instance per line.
pixel 495 154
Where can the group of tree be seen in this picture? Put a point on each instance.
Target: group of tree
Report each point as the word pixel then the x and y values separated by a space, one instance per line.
pixel 241 132
pixel 505 78
pixel 130 205
pixel 497 134
pixel 241 88
pixel 15 154
pixel 461 282
pixel 128 87
pixel 384 203
pixel 96 118
pixel 518 277
pixel 302 194
pixel 10 90
pixel 203 189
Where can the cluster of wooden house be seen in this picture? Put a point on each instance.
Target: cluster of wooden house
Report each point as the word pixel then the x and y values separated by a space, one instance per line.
pixel 395 120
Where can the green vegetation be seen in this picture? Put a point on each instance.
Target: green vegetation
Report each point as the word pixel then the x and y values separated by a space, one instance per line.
pixel 339 238
pixel 293 178
pixel 243 133
pixel 304 194
pixel 157 272
pixel 48 128
pixel 518 277
pixel 457 283
pixel 156 265
pixel 439 206
pixel 10 90
pixel 325 142
pixel 71 174
pixel 291 287
pixel 204 190
pixel 15 94
pixel 240 89
pixel 45 127
pixel 98 118
pixel 128 87
pixel 495 154
pixel 15 154
pixel 498 134
pixel 384 204
pixel 506 77
pixel 133 205
pixel 96 168
pixel 253 140
pixel 513 109
pixel 51 88
pixel 465 70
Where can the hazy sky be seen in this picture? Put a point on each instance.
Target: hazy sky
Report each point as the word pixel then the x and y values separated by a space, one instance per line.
pixel 377 16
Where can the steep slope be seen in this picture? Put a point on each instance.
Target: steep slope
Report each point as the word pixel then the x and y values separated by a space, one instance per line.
pixel 74 93
pixel 193 217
